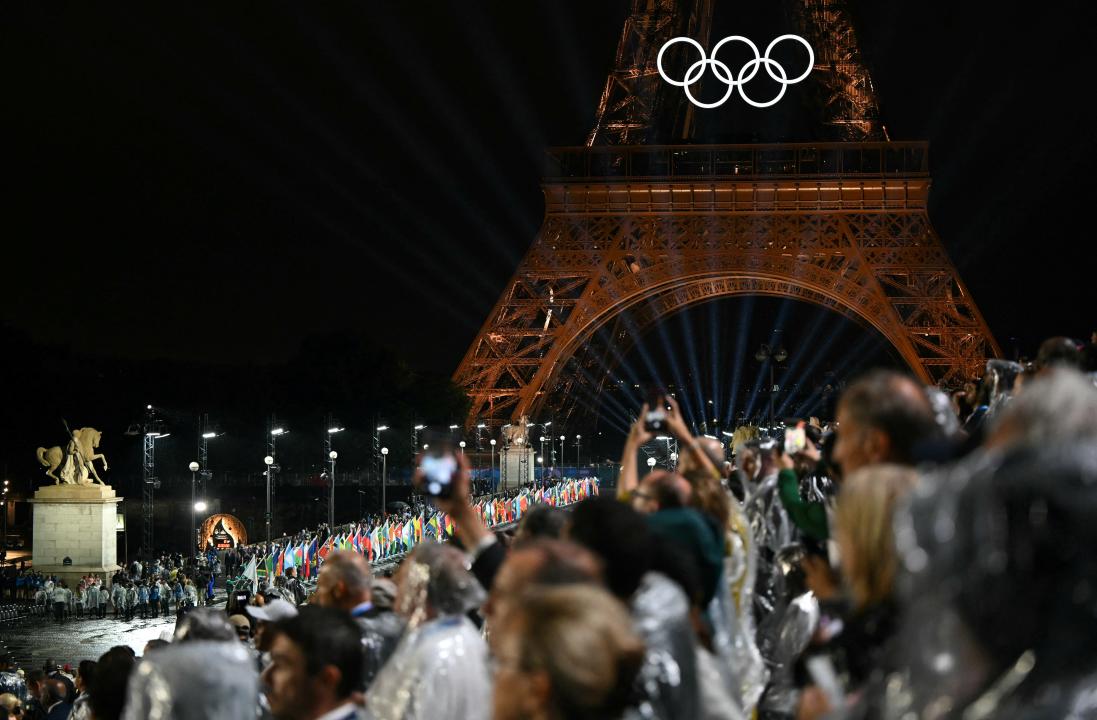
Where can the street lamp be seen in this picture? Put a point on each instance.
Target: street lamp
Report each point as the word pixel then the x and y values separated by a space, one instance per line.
pixel 462 446
pixel 5 510
pixel 415 438
pixel 384 477
pixel 200 506
pixel 651 462
pixel 330 454
pixel 269 461
pixel 193 532
pixel 577 463
pixel 541 464
pixel 331 498
pixel 491 475
pixel 563 459
pixel 777 355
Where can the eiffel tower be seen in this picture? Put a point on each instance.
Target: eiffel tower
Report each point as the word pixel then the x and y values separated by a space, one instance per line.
pixel 634 232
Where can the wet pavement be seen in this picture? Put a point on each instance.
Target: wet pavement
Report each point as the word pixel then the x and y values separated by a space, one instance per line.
pixel 38 638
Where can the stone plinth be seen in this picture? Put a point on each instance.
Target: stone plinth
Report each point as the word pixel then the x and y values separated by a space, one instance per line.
pixel 516 467
pixel 78 522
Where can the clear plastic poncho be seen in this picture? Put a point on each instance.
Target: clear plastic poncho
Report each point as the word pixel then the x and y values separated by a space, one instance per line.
pixel 440 669
pixel 194 681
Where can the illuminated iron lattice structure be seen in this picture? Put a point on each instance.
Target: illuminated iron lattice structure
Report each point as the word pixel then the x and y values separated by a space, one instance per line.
pixel 634 233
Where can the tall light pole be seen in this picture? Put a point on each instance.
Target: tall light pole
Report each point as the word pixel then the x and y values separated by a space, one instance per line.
pixel 577 463
pixel 563 458
pixel 379 428
pixel 542 460
pixel 775 355
pixel 5 518
pixel 193 530
pixel 462 446
pixel 541 464
pixel 331 498
pixel 415 439
pixel 552 447
pixel 384 477
pixel 491 475
pixel 332 428
pixel 269 460
pixel 272 447
pixel 205 434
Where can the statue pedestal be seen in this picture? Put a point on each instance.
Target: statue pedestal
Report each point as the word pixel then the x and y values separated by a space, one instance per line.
pixel 516 466
pixel 78 522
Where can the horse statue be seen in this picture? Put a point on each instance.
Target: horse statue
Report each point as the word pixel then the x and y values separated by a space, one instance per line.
pixel 518 433
pixel 77 460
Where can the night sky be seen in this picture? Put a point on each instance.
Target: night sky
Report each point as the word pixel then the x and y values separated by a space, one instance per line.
pixel 215 183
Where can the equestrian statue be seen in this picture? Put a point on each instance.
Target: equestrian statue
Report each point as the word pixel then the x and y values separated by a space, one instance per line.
pixel 76 461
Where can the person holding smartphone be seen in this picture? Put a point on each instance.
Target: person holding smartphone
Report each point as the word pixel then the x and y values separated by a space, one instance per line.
pixel 694 459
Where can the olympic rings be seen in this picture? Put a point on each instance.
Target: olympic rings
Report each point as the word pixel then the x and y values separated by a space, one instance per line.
pixel 723 72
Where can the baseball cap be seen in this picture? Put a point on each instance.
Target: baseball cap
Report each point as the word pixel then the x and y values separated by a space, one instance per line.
pixel 239 621
pixel 273 611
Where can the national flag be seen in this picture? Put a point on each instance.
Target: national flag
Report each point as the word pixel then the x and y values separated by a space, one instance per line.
pixel 433 524
pixel 288 561
pixel 279 557
pixel 251 572
pixel 325 548
pixel 408 536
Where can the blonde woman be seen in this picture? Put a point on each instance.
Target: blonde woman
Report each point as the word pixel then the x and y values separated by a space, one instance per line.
pixel 565 653
pixel 866 545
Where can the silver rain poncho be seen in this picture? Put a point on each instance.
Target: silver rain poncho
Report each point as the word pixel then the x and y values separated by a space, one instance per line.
pixel 194 681
pixel 668 677
pixel 440 669
pixel 732 614
pixel 999 584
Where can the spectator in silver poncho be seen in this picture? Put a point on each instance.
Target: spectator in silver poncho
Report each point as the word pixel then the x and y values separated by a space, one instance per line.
pixel 204 673
pixel 998 574
pixel 440 668
pixel 345 583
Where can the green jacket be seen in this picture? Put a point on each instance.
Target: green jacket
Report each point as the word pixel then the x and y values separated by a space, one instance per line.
pixel 810 517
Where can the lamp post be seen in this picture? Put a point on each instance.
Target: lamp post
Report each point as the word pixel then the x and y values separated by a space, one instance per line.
pixel 331 498
pixel 331 454
pixel 5 510
pixel 269 460
pixel 491 474
pixel 462 446
pixel 384 477
pixel 541 465
pixel 651 463
pixel 193 532
pixel 776 355
pixel 415 439
pixel 577 463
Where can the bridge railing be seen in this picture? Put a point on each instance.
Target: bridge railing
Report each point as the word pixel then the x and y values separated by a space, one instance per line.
pixel 769 161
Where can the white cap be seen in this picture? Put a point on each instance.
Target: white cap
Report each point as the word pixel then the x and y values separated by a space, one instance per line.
pixel 273 611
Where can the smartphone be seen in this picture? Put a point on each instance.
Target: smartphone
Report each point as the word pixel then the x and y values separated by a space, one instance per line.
pixel 438 473
pixel 795 439
pixel 656 419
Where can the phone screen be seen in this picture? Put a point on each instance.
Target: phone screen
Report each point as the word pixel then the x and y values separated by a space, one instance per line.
pixel 795 439
pixel 656 418
pixel 438 471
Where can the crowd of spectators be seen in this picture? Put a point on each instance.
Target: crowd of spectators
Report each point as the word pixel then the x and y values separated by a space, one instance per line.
pixel 925 554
